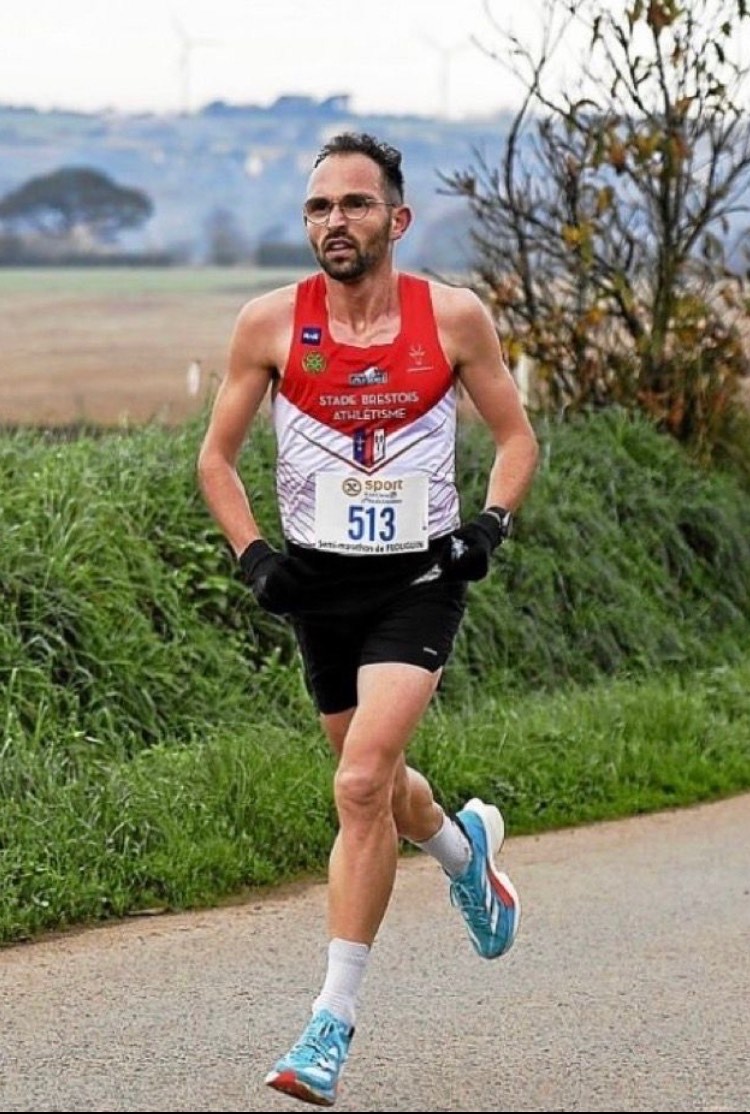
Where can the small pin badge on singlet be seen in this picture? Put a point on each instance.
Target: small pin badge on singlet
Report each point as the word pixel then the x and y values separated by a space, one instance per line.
pixel 311 334
pixel 314 363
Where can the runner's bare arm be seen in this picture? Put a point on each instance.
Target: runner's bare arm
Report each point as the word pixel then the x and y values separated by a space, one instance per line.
pixel 472 345
pixel 256 353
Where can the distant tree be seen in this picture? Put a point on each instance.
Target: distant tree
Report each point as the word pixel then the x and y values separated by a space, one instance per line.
pixel 11 249
pixel 75 200
pixel 274 249
pixel 603 237
pixel 281 253
pixel 226 243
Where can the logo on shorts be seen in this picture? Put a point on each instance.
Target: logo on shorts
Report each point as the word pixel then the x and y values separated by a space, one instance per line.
pixel 314 363
pixel 370 377
pixel 432 574
pixel 311 334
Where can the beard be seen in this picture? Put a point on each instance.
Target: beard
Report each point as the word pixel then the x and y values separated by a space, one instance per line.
pixel 360 260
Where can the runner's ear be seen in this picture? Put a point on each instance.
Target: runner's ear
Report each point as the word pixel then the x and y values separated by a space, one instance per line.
pixel 401 218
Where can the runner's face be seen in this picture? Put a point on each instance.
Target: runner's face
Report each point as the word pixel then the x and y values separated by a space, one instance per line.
pixel 348 249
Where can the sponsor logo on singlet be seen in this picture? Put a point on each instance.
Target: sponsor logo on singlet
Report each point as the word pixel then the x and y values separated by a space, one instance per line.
pixel 417 359
pixel 311 334
pixel 370 377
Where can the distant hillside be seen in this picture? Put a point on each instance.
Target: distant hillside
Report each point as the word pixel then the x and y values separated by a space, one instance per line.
pixel 234 175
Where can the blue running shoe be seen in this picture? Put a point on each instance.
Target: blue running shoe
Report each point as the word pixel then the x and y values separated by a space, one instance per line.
pixel 310 1070
pixel 486 899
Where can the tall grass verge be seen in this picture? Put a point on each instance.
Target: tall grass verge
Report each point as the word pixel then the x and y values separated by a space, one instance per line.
pixel 158 746
pixel 85 838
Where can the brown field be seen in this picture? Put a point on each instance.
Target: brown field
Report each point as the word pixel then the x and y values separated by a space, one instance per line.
pixel 115 347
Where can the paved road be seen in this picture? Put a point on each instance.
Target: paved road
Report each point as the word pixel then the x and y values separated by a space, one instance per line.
pixel 628 990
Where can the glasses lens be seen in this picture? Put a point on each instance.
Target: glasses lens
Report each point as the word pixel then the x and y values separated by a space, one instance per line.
pixel 317 209
pixel 354 206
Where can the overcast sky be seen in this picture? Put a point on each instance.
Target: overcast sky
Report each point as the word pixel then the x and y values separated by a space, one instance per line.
pixel 391 56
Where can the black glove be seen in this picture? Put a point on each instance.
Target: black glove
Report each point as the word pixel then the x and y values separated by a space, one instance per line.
pixel 469 549
pixel 272 577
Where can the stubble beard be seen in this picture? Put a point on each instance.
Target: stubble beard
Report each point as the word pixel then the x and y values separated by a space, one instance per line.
pixel 355 267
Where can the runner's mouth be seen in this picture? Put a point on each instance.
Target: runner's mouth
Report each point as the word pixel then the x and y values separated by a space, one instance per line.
pixel 338 245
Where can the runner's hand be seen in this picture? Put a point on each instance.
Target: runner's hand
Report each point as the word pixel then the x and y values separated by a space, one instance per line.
pixel 469 549
pixel 271 577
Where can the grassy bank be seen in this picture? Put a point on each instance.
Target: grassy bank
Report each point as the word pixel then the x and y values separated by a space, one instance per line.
pixel 87 836
pixel 159 748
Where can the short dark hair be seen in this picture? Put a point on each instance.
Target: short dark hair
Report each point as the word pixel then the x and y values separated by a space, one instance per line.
pixel 360 143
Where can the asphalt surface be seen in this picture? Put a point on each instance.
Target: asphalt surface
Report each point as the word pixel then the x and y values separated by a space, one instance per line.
pixel 628 989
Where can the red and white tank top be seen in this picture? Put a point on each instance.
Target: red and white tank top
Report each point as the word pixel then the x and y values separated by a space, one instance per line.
pixel 366 436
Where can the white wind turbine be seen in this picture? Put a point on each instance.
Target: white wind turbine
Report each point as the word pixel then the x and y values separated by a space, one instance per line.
pixel 445 53
pixel 187 44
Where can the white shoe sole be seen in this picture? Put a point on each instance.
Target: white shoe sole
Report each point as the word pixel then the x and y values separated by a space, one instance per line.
pixel 494 825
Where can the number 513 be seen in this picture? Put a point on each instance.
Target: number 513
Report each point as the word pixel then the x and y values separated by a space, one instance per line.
pixel 371 523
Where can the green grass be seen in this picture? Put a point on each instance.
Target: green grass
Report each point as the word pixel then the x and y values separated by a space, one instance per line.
pixel 615 749
pixel 123 281
pixel 159 749
pixel 87 836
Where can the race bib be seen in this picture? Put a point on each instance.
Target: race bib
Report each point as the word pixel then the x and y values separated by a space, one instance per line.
pixel 369 514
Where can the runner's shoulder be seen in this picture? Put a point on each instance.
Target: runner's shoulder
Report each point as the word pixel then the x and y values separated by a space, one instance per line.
pixel 459 311
pixel 271 309
pixel 455 300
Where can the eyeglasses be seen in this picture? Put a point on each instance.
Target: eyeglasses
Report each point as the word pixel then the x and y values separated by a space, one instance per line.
pixel 352 206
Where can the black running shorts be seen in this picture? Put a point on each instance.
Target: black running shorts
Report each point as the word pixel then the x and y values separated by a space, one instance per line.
pixel 367 610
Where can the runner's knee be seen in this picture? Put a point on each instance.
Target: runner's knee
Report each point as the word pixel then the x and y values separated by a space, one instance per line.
pixel 361 789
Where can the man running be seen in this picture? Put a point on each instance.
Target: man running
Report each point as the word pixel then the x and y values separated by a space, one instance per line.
pixel 364 362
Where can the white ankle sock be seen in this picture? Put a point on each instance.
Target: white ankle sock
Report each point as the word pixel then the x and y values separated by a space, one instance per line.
pixel 449 846
pixel 347 962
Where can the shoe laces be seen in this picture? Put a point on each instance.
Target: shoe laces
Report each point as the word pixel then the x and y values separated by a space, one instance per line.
pixel 472 900
pixel 315 1044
